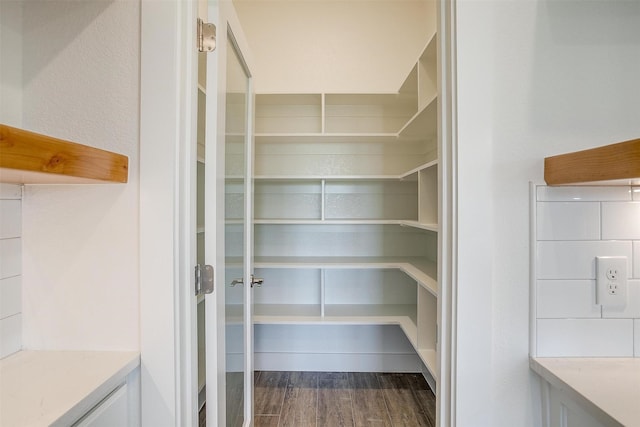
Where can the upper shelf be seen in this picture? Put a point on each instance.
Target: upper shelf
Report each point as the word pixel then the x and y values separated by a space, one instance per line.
pixel 31 158
pixel 615 164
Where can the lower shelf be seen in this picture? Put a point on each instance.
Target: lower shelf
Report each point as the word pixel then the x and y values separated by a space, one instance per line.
pixel 403 315
pixel 430 360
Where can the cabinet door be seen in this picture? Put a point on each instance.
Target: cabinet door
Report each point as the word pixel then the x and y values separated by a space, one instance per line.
pixel 112 411
pixel 564 412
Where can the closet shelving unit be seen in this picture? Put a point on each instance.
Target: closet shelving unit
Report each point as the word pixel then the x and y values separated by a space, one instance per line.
pixel 346 208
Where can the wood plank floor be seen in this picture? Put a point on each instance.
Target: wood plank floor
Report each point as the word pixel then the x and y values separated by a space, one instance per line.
pixel 340 399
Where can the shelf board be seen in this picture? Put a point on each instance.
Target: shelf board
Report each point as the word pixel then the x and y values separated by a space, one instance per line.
pixel 270 138
pixel 614 164
pixel 430 359
pixel 333 221
pixel 338 314
pixel 327 177
pixel 32 158
pixel 416 224
pixel 424 124
pixel 424 166
pixel 421 270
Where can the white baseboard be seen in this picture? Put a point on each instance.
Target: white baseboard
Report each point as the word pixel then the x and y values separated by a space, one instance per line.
pixel 337 362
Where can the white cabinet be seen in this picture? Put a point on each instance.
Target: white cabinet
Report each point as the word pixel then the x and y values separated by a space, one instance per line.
pixel 565 412
pixel 112 411
pixel 346 214
pixel 83 388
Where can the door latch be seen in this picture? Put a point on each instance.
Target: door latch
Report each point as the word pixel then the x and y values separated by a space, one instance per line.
pixel 255 281
pixel 204 279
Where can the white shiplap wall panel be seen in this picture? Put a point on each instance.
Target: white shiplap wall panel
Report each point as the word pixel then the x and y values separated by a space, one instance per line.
pixel 10 269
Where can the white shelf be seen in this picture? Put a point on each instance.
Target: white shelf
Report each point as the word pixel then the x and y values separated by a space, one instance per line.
pixel 326 177
pixel 401 176
pixel 337 222
pixel 424 124
pixel 307 138
pixel 340 314
pixel 419 168
pixel 430 360
pixel 421 270
pixel 416 224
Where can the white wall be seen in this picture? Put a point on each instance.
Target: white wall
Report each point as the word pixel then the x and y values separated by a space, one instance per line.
pixel 80 73
pixel 535 78
pixel 343 46
pixel 11 63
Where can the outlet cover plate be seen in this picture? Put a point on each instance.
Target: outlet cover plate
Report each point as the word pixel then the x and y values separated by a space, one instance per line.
pixel 611 281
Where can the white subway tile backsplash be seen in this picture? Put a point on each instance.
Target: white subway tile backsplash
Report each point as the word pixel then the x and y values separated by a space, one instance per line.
pixel 585 337
pixel 575 259
pixel 621 221
pixel 10 335
pixel 10 296
pixel 10 218
pixel 582 194
pixel 574 225
pixel 10 257
pixel 10 191
pixel 632 309
pixel 565 299
pixel 568 221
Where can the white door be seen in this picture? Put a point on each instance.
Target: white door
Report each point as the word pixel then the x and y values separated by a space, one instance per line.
pixel 229 223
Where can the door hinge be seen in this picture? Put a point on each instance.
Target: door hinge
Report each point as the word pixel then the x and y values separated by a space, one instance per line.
pixel 204 279
pixel 206 36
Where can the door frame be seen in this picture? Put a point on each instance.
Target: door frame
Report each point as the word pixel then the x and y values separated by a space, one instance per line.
pixel 168 114
pixel 168 102
pixel 448 205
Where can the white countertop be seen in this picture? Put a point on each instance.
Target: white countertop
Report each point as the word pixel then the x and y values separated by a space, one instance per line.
pixel 42 388
pixel 610 385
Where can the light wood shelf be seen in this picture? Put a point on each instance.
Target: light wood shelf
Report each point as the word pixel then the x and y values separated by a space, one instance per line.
pixel 614 164
pixel 32 158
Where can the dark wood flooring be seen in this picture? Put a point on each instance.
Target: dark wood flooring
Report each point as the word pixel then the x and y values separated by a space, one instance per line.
pixel 341 399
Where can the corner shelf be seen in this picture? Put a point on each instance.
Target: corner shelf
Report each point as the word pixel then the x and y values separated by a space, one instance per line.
pixel 614 164
pixel 32 158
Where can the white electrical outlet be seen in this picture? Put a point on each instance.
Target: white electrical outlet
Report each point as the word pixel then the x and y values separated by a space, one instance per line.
pixel 611 281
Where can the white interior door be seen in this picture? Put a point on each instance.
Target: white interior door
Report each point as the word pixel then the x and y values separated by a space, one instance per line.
pixel 229 223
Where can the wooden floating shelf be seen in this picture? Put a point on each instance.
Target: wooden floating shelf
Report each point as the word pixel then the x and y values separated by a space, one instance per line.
pixel 615 164
pixel 32 158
